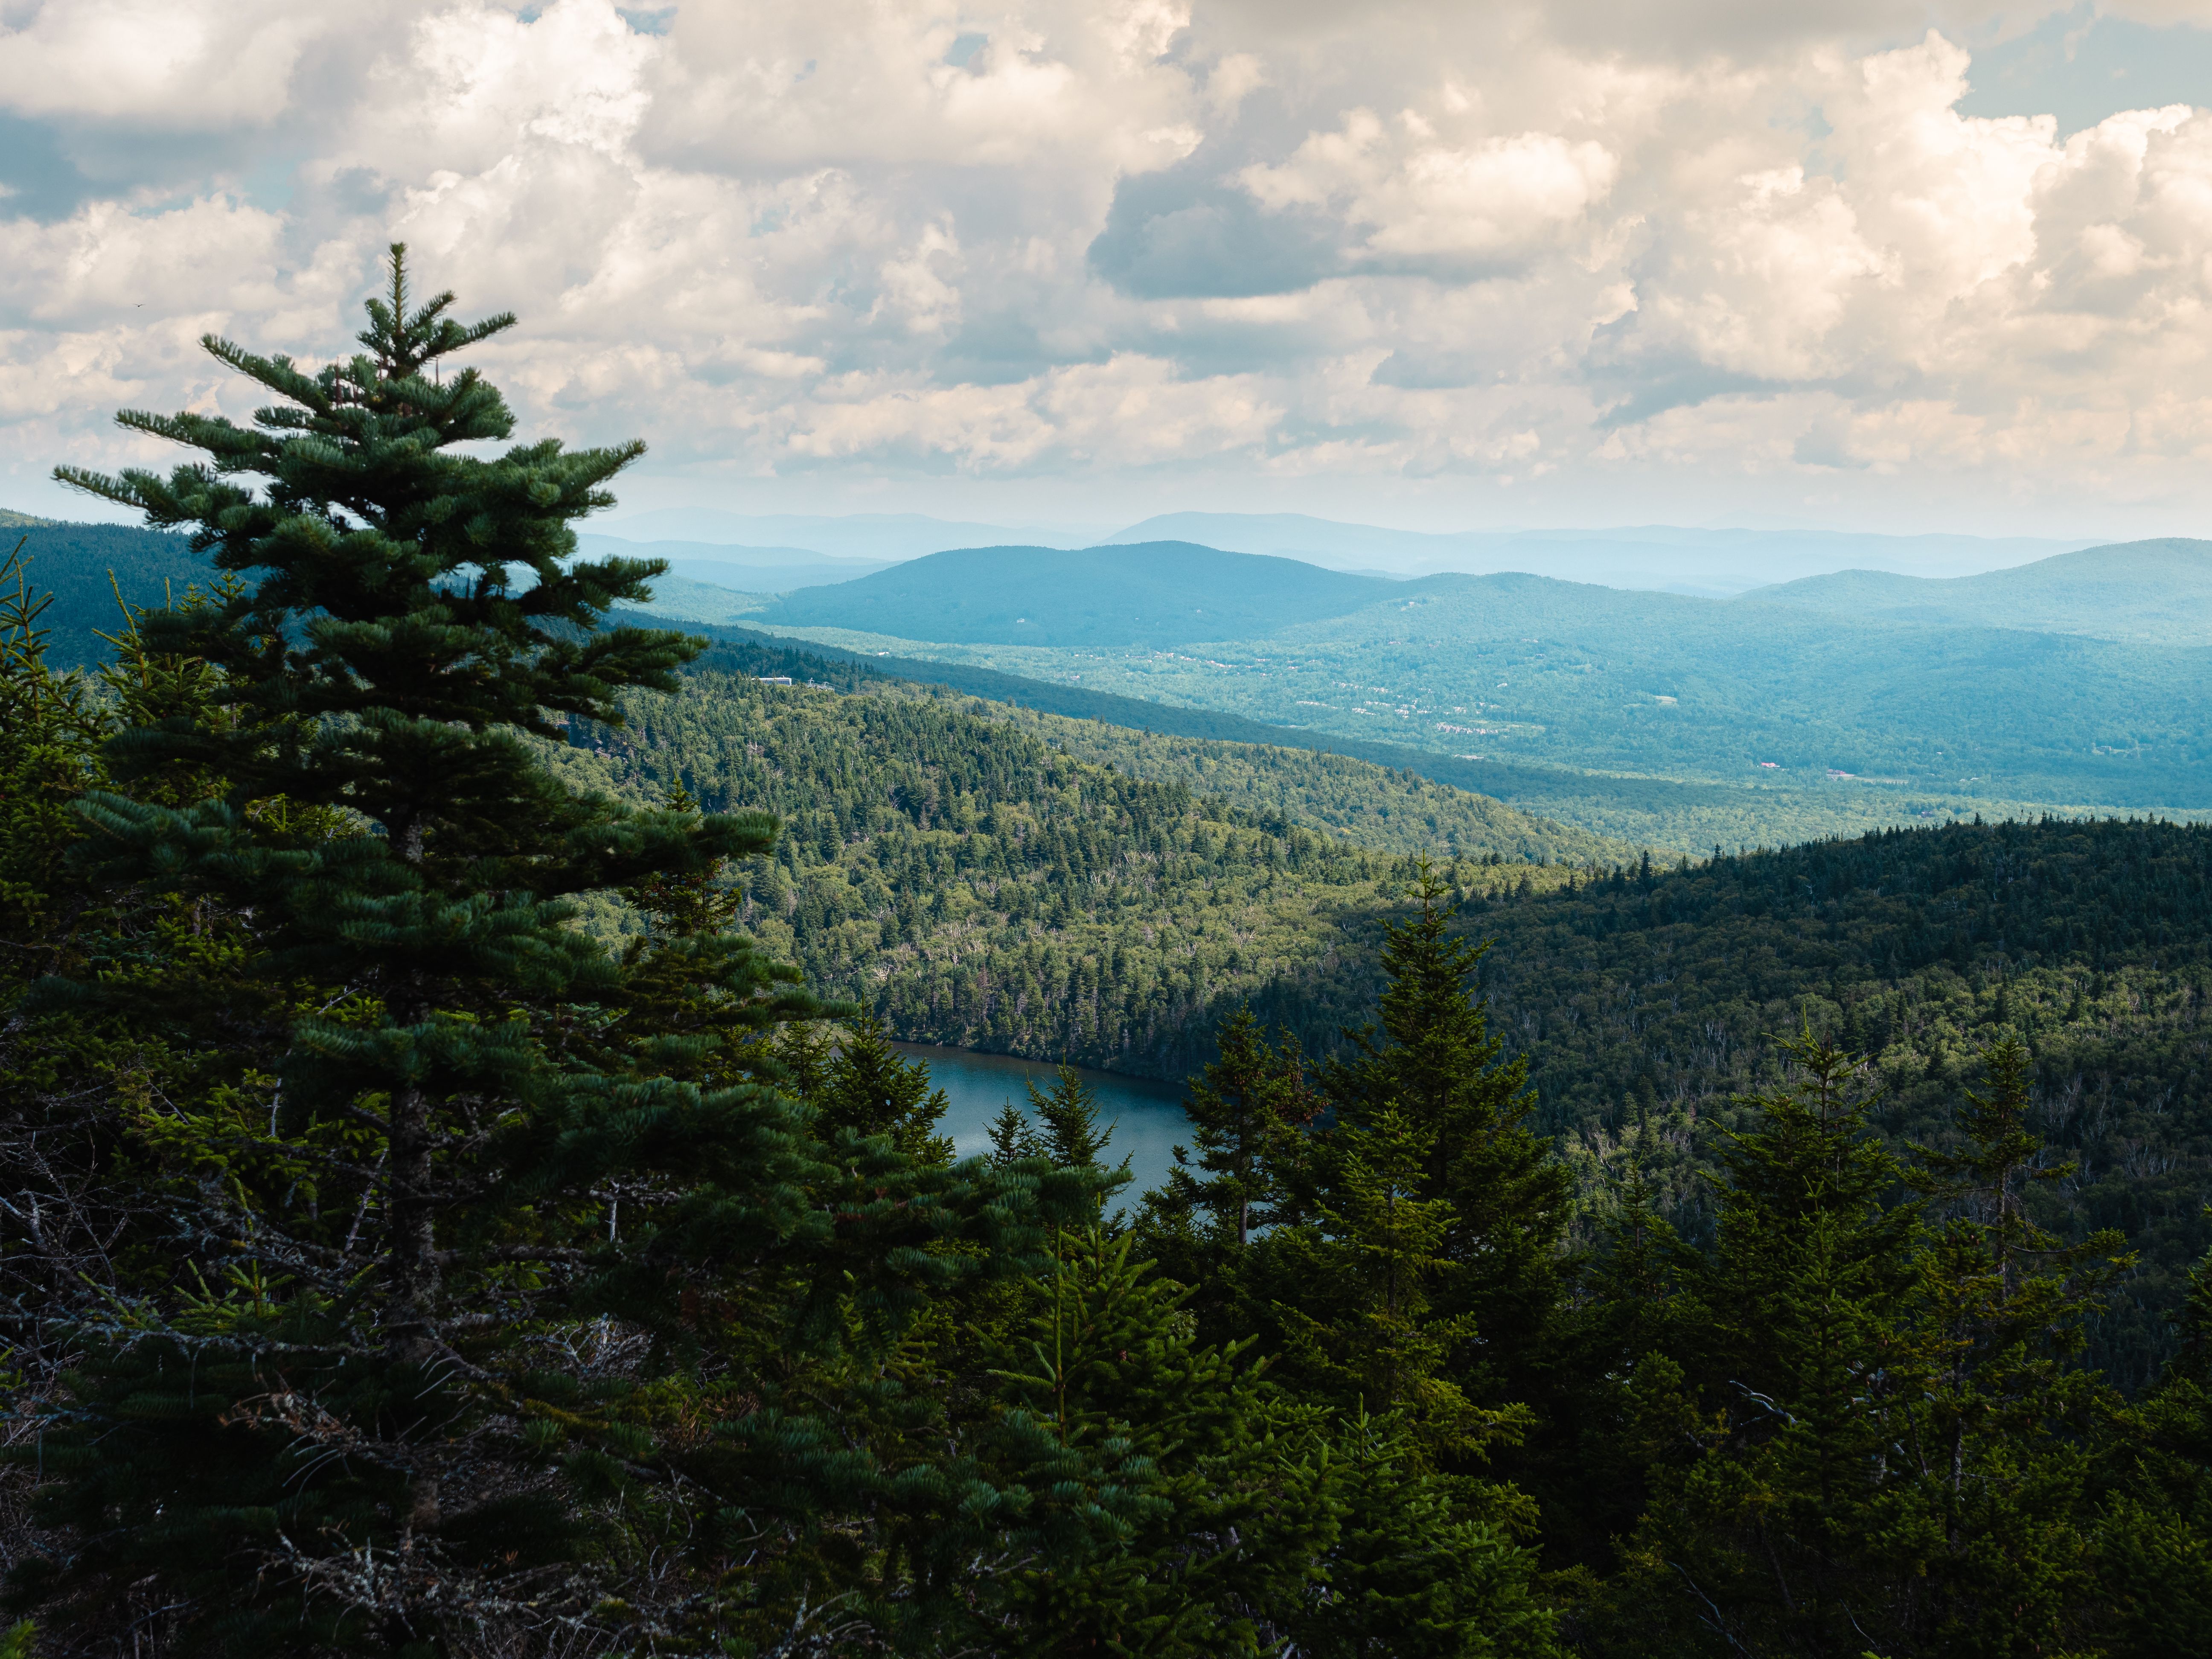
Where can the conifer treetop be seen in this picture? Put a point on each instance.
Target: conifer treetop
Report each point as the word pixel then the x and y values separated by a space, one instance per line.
pixel 390 567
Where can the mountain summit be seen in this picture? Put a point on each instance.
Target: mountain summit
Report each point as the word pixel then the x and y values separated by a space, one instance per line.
pixel 1147 594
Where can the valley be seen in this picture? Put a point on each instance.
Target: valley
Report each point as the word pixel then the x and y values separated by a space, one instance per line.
pixel 1094 850
pixel 1807 719
pixel 994 878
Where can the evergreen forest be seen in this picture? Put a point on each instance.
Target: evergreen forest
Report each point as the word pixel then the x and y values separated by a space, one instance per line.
pixel 984 876
pixel 462 1195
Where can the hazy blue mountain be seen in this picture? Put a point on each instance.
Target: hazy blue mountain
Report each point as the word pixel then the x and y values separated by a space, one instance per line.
pixel 1531 671
pixel 1666 558
pixel 1717 562
pixel 1149 594
pixel 881 536
pixel 746 569
pixel 2157 593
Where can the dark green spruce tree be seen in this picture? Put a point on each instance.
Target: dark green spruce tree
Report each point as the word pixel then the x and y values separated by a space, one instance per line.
pixel 1249 1166
pixel 1248 1110
pixel 461 1213
pixel 1432 1060
pixel 1619 1362
pixel 1223 1525
pixel 2154 1537
pixel 868 1088
pixel 1986 1525
pixel 1013 1137
pixel 1768 1425
pixel 1068 1131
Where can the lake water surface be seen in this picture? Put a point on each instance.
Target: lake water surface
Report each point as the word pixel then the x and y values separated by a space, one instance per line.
pixel 1147 1117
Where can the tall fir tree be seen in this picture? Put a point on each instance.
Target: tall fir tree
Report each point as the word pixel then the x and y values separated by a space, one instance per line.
pixel 1249 1108
pixel 1619 1355
pixel 1433 1061
pixel 1068 1131
pixel 1993 1446
pixel 869 1088
pixel 1013 1137
pixel 1411 1574
pixel 2154 1526
pixel 1759 1538
pixel 433 1221
pixel 1369 1329
pixel 1220 1534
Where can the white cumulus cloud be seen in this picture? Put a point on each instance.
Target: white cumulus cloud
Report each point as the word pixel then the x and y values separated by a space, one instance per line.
pixel 1132 249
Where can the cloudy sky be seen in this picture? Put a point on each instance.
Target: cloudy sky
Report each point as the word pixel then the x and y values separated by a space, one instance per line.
pixel 1864 263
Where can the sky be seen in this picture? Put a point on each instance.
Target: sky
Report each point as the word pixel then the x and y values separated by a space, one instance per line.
pixel 1848 264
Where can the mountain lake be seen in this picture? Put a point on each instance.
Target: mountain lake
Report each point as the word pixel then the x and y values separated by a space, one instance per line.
pixel 1147 1117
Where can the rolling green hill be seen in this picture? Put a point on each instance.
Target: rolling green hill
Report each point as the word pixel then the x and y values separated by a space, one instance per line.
pixel 997 878
pixel 2155 593
pixel 1144 593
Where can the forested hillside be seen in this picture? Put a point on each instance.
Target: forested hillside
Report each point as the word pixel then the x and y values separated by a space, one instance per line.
pixel 87 568
pixel 1648 1005
pixel 993 877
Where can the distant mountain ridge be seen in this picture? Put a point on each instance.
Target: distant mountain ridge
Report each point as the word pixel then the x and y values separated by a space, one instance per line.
pixel 1148 594
pixel 742 568
pixel 1713 561
pixel 2151 592
pixel 881 536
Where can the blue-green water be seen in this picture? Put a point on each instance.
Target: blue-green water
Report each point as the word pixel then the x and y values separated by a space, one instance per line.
pixel 1147 1117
